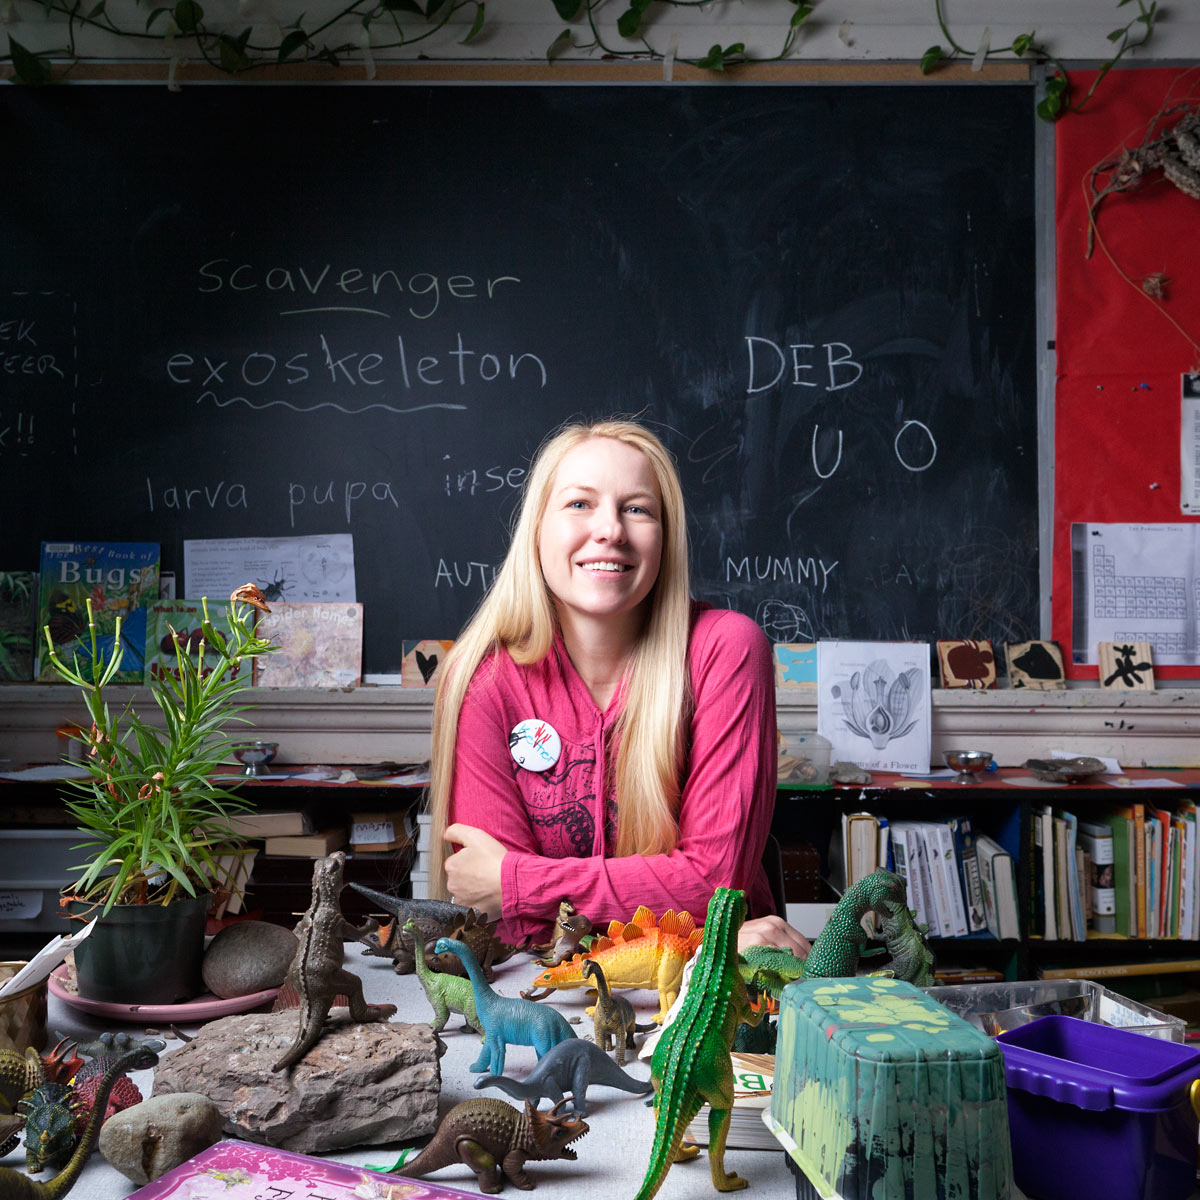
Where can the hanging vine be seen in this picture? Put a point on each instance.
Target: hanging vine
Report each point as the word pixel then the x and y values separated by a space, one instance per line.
pixel 390 25
pixel 1056 100
pixel 387 25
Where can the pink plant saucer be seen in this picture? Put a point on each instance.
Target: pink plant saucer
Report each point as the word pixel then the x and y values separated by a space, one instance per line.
pixel 204 1008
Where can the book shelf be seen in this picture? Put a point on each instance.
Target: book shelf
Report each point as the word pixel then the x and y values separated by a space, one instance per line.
pixel 1141 968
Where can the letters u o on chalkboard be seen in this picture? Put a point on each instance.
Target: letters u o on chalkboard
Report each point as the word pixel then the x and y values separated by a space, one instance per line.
pixel 245 311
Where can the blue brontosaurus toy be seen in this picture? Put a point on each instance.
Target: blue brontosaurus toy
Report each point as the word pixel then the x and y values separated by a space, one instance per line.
pixel 505 1019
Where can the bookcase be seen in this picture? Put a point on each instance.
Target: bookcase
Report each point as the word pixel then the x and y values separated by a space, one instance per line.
pixel 1142 968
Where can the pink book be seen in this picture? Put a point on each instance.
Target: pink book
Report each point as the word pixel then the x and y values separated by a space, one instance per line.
pixel 233 1170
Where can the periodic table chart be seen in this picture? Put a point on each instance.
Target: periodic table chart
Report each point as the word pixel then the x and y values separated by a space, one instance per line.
pixel 1136 583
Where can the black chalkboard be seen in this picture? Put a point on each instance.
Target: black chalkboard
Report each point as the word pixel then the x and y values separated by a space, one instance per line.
pixel 243 310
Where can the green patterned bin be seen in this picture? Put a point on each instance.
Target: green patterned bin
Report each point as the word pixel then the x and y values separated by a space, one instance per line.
pixel 884 1094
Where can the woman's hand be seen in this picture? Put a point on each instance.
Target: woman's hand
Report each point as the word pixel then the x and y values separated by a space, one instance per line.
pixel 473 872
pixel 772 931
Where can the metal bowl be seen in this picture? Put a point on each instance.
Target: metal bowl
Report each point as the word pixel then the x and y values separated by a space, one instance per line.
pixel 968 763
pixel 254 755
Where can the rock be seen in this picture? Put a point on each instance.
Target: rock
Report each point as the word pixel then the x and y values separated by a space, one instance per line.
pixel 844 772
pixel 148 1140
pixel 247 957
pixel 360 1085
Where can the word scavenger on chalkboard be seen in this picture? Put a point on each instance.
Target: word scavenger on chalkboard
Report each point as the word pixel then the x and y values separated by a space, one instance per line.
pixel 247 311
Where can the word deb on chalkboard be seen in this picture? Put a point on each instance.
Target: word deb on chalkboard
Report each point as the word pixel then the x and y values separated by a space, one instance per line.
pixel 251 311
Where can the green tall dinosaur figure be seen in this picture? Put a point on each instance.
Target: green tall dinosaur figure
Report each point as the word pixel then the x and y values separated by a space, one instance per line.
pixel 447 993
pixel 691 1064
pixel 836 952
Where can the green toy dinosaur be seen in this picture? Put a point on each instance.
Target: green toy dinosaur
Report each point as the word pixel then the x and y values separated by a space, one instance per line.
pixel 691 1063
pixel 767 970
pixel 447 993
pixel 836 952
pixel 15 1186
pixel 505 1019
pixel 911 957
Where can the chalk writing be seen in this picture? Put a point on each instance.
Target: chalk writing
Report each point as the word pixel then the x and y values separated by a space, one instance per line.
pixel 346 491
pixel 218 275
pixel 813 571
pixel 351 369
pixel 466 574
pixel 492 479
pixel 16 433
pixel 205 496
pixel 840 369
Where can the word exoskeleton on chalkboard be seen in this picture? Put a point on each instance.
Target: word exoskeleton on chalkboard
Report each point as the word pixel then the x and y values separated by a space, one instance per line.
pixel 822 298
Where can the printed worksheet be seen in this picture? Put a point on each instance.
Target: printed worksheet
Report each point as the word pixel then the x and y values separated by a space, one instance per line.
pixel 1136 583
pixel 287 568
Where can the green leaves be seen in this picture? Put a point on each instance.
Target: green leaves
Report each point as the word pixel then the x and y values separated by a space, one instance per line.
pixel 629 23
pixel 719 57
pixel 27 67
pixel 932 59
pixel 1054 103
pixel 156 820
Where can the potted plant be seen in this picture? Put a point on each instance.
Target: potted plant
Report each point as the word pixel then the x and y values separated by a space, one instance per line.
pixel 156 820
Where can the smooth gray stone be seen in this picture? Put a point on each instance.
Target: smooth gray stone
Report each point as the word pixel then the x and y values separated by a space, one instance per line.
pixel 248 957
pixel 148 1140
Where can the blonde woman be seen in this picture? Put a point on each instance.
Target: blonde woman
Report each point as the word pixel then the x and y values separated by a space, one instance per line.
pixel 597 735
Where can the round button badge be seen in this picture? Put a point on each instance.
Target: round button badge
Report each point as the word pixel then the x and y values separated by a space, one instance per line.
pixel 534 744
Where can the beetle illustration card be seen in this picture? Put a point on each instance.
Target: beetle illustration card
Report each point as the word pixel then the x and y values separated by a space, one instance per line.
pixel 873 703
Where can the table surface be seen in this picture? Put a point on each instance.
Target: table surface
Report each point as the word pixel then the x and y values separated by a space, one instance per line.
pixel 614 1155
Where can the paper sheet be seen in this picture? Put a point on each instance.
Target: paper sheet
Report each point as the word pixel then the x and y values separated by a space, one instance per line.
pixel 289 569
pixel 1136 583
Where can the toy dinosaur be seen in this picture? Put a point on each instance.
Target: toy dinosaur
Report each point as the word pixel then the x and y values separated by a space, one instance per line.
pixel 62 1060
pixel 571 1066
pixel 767 970
pixel 434 919
pixel 316 972
pixel 836 952
pixel 570 928
pixel 911 957
pixel 15 1186
pixel 691 1063
pixel 613 1018
pixel 51 1113
pixel 642 953
pixel 505 1019
pixel 20 1074
pixel 496 1140
pixel 447 993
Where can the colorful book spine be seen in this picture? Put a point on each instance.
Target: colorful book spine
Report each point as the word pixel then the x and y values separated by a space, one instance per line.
pixel 1097 840
pixel 970 881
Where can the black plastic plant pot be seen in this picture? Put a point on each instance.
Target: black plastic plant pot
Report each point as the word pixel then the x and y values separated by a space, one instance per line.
pixel 143 953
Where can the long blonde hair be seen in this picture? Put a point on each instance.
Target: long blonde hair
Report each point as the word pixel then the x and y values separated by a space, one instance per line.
pixel 517 616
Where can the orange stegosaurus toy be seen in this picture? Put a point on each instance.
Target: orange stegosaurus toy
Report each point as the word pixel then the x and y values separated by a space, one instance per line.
pixel 644 952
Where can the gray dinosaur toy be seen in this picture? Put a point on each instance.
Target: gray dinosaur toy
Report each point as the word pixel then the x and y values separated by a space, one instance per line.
pixel 505 1019
pixel 571 1066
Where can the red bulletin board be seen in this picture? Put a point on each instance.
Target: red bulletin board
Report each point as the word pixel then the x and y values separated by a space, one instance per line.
pixel 1120 353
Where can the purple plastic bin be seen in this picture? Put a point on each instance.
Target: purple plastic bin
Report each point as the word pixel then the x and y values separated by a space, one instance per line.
pixel 1099 1112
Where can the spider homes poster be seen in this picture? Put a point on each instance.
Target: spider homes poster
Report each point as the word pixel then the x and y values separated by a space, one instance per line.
pixel 120 579
pixel 873 703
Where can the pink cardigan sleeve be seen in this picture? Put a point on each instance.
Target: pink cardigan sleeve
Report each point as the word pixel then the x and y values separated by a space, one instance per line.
pixel 725 812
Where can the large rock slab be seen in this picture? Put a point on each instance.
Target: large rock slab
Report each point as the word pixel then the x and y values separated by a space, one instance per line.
pixel 361 1085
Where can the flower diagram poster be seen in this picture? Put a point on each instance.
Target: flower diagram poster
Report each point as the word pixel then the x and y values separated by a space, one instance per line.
pixel 874 703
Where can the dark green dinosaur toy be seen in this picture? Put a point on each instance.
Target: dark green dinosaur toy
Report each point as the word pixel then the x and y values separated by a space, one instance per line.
pixel 691 1064
pixel 15 1186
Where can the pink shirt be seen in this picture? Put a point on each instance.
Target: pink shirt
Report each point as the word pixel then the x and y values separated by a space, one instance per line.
pixel 560 825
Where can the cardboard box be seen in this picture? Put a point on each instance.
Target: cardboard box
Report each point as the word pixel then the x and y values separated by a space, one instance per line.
pixel 388 830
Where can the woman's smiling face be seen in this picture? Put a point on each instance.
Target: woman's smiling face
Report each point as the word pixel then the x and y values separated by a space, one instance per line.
pixel 600 538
